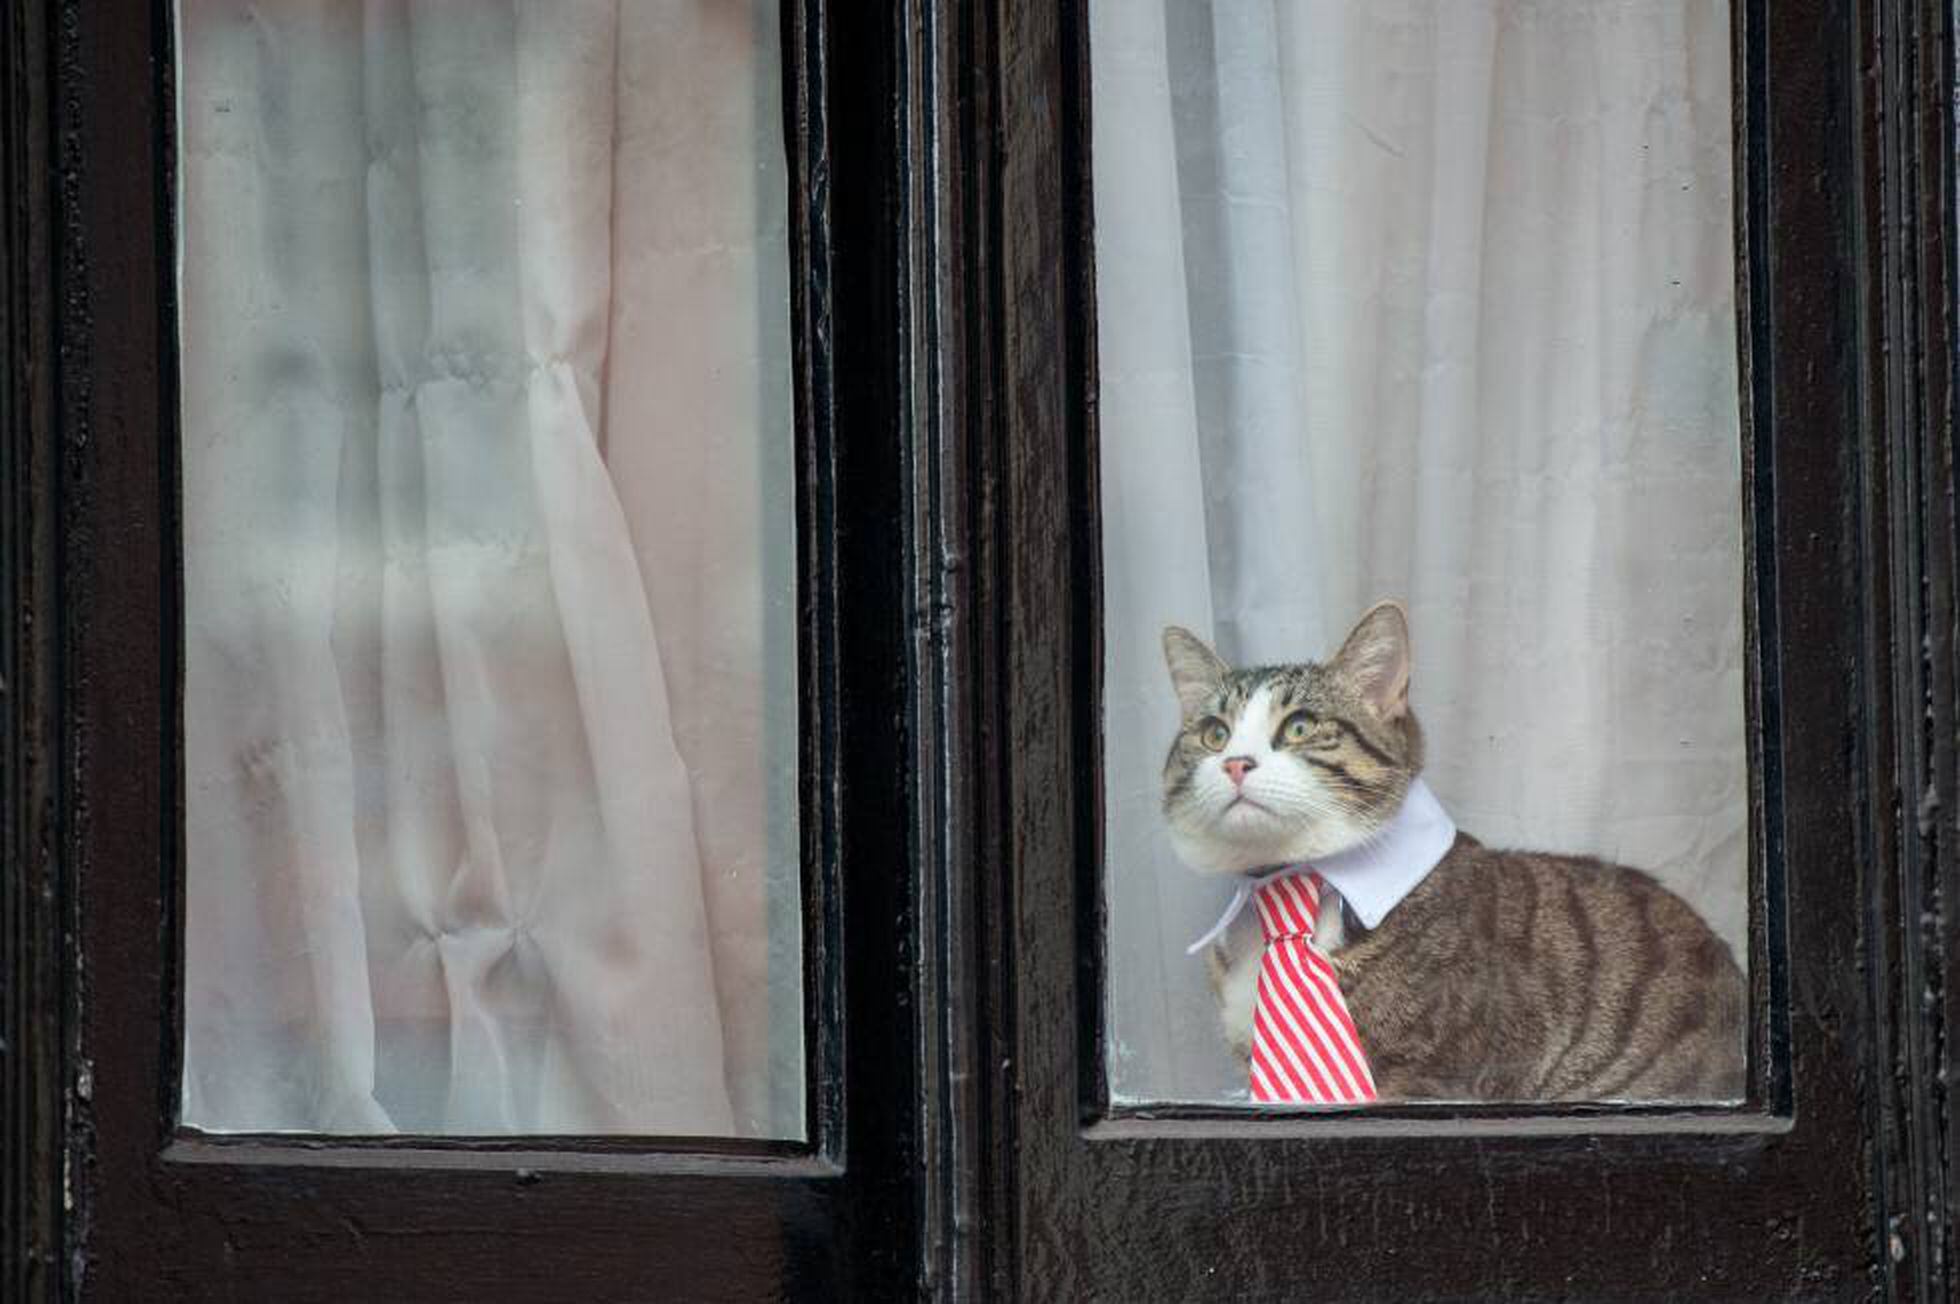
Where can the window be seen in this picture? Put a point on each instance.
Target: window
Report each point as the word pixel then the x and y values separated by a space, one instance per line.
pixel 964 1134
pixel 1187 1198
pixel 793 1196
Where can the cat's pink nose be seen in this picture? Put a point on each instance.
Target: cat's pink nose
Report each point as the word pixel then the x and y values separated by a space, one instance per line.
pixel 1238 767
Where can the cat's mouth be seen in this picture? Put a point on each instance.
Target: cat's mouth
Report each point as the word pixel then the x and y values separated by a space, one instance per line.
pixel 1244 801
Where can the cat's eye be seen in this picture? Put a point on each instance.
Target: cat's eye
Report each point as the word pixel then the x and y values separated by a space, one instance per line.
pixel 1299 730
pixel 1214 735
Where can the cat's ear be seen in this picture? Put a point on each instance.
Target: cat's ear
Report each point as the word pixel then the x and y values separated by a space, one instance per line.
pixel 1196 671
pixel 1375 659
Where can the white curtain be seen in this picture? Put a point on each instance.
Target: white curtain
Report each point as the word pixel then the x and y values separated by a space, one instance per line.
pixel 490 703
pixel 1428 299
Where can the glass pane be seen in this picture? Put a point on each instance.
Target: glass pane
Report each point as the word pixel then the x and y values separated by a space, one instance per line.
pixel 1428 303
pixel 490 688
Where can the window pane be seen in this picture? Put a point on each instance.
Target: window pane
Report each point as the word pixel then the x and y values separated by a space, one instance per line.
pixel 1431 303
pixel 490 689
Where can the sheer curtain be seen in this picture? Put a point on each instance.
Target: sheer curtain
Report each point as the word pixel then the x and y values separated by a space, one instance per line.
pixel 1432 301
pixel 490 704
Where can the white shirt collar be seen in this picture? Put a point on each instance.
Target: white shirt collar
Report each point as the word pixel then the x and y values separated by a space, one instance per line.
pixel 1371 876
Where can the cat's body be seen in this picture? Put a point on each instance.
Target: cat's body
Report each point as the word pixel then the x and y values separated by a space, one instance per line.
pixel 1513 975
pixel 1503 975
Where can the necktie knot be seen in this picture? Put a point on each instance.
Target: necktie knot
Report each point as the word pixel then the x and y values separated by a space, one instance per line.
pixel 1289 907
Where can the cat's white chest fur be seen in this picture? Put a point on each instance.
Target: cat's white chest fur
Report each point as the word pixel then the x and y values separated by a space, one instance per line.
pixel 1234 964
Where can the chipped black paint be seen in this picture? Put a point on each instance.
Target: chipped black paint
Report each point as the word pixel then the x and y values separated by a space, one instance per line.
pixel 33 1005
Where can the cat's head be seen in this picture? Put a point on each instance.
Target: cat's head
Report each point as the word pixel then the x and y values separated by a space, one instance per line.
pixel 1279 764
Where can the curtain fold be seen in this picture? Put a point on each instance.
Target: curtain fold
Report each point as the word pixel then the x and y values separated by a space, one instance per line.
pixel 445 867
pixel 1431 301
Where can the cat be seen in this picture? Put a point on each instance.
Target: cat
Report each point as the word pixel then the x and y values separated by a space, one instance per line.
pixel 1502 975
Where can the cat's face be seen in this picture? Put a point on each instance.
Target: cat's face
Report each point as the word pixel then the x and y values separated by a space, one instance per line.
pixel 1281 764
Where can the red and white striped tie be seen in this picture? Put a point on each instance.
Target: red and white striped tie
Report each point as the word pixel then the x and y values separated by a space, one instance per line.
pixel 1304 1047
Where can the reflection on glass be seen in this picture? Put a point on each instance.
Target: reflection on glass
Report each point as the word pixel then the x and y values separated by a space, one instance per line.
pixel 1431 303
pixel 490 707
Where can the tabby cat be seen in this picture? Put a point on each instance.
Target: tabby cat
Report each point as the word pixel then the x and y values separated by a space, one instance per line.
pixel 1502 975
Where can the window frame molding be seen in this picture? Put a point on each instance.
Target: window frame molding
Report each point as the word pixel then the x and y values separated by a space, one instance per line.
pixel 35 914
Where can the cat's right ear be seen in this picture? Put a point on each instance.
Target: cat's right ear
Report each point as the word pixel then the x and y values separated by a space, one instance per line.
pixel 1196 671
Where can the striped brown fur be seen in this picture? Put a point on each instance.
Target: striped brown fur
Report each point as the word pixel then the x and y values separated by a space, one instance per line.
pixel 1515 975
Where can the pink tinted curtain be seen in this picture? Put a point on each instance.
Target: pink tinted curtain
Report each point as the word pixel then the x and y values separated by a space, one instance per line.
pixel 490 702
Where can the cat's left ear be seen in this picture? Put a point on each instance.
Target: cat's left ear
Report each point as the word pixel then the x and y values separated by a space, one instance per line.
pixel 1375 659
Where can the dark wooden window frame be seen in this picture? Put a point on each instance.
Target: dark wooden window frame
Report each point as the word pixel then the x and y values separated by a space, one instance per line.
pixel 946 399
pixel 113 1200
pixel 1835 1180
